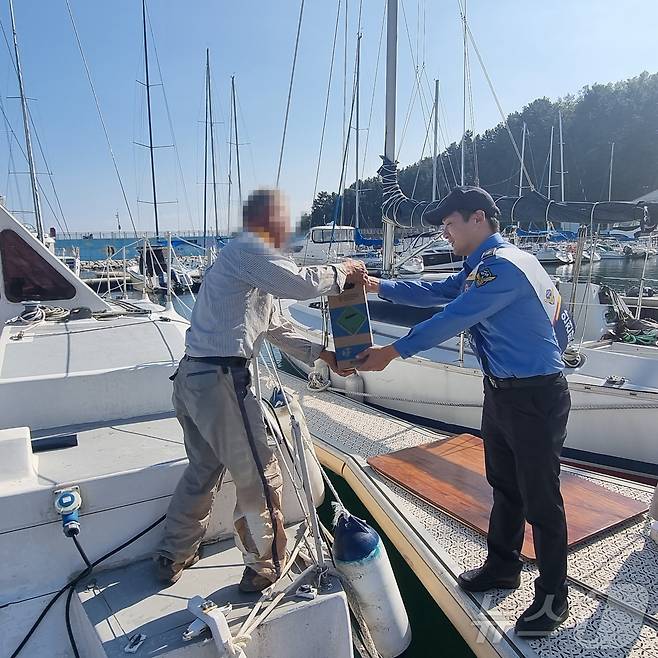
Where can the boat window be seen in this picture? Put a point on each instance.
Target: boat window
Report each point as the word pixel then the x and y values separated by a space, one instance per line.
pixel 323 236
pixel 27 276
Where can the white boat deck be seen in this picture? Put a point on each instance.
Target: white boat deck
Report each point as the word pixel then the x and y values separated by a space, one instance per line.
pixel 120 603
pixel 614 577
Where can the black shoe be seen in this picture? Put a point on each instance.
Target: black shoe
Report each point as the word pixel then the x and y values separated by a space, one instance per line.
pixel 485 578
pixel 544 615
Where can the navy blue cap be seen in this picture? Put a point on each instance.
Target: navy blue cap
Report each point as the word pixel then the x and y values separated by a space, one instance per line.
pixel 464 197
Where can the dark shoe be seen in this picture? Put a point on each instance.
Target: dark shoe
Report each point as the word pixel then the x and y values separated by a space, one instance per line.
pixel 252 582
pixel 485 578
pixel 169 571
pixel 544 615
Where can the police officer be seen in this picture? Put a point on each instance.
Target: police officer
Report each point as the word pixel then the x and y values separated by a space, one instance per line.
pixel 518 332
pixel 222 422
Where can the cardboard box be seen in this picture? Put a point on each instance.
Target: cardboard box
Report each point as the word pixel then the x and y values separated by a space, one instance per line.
pixel 350 324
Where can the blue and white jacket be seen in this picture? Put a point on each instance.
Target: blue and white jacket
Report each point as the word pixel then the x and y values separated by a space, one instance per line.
pixel 518 327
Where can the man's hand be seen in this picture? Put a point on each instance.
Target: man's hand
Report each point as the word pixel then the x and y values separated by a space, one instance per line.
pixel 356 271
pixel 372 284
pixel 377 358
pixel 329 358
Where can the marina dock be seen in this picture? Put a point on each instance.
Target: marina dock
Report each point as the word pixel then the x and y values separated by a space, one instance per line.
pixel 613 576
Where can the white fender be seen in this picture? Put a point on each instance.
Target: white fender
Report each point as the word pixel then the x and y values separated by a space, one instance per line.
pixel 362 561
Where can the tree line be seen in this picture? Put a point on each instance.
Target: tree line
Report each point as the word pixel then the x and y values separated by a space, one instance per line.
pixel 624 112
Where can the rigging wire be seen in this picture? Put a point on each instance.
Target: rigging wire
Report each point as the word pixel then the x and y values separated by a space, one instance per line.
pixel 39 185
pixel 292 78
pixel 171 123
pixel 100 116
pixel 494 94
pixel 444 130
pixel 326 102
pixel 20 146
pixel 247 137
pixel 471 108
pixel 374 88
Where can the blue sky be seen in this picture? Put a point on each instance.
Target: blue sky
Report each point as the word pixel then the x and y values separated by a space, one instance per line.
pixel 531 48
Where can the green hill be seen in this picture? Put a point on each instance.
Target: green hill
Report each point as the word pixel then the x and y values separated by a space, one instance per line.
pixel 625 113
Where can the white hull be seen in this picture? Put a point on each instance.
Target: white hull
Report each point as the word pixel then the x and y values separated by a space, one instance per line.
pixel 436 389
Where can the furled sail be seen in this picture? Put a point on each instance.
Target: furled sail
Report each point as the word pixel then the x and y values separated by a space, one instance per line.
pixel 532 207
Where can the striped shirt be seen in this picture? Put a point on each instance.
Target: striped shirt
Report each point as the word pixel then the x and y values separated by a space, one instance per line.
pixel 235 309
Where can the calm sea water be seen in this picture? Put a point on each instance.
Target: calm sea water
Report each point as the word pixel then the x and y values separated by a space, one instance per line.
pixel 619 274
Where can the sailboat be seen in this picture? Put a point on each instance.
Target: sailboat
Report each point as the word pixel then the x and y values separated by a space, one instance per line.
pixel 90 454
pixel 614 385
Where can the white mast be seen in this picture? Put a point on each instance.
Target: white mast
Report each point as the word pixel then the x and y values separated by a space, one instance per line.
pixel 230 164
pixel 550 163
pixel 612 157
pixel 389 135
pixel 26 126
pixel 561 158
pixel 435 153
pixel 463 153
pixel 237 144
pixel 356 140
pixel 522 162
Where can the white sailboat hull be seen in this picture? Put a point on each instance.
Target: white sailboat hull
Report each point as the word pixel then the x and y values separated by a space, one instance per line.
pixel 606 429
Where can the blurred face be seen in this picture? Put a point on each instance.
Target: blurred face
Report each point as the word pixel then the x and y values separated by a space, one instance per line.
pixel 273 220
pixel 466 236
pixel 278 221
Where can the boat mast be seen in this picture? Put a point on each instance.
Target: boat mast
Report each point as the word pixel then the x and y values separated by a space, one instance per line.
pixel 561 158
pixel 356 136
pixel 550 164
pixel 522 161
pixel 212 147
pixel 612 156
pixel 463 154
pixel 26 126
pixel 230 165
pixel 436 138
pixel 148 108
pixel 237 143
pixel 205 162
pixel 389 133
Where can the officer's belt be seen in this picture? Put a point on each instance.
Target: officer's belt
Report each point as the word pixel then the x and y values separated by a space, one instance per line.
pixel 223 361
pixel 524 382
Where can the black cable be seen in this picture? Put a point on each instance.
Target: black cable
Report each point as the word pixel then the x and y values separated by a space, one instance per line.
pixel 72 583
pixel 67 617
pixel 81 551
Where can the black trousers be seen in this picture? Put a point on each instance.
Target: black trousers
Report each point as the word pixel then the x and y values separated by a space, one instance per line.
pixel 523 431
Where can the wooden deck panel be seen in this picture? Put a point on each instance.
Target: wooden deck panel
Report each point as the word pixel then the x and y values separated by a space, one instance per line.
pixel 449 474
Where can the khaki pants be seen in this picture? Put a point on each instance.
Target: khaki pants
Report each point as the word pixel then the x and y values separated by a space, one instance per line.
pixel 223 429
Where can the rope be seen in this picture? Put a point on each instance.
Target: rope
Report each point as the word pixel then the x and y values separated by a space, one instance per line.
pixel 114 326
pixel 100 116
pixel 478 405
pixel 37 314
pixel 292 78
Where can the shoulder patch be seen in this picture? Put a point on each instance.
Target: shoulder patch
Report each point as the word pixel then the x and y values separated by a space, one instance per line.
pixel 484 275
pixel 489 252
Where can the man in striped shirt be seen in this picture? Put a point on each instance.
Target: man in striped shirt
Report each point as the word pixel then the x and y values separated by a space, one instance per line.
pixel 221 417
